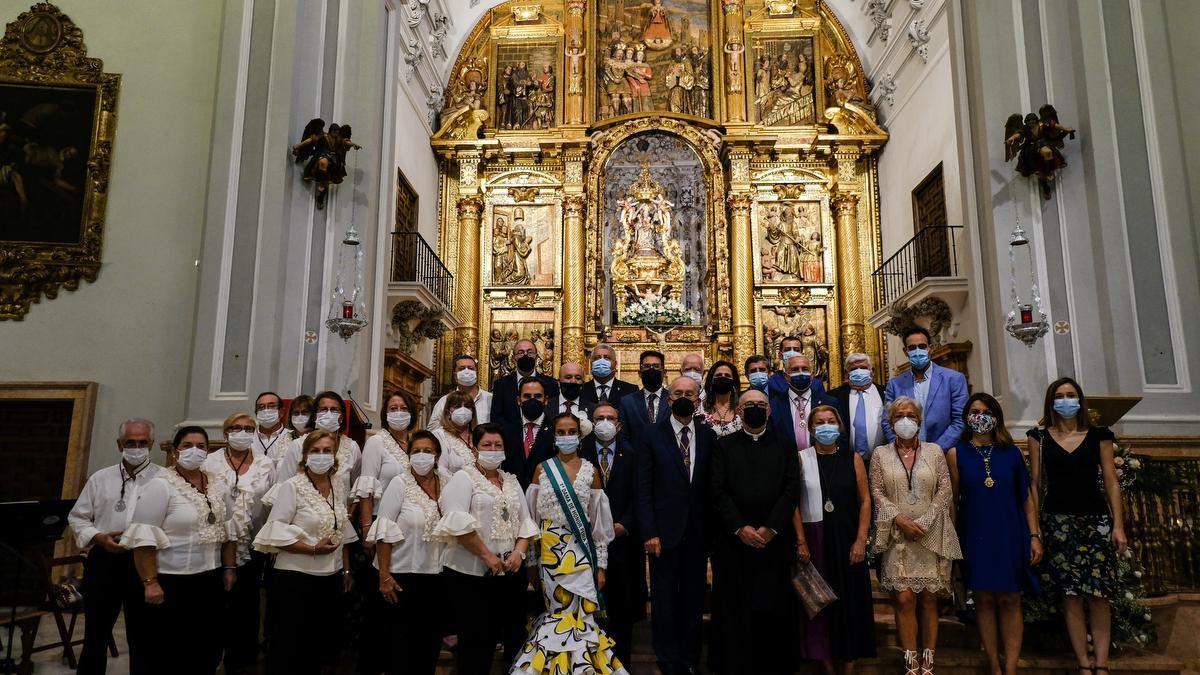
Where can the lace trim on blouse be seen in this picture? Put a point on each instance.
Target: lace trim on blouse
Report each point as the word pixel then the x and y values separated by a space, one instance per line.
pixel 393 448
pixel 459 448
pixel 547 498
pixel 415 495
pixel 506 502
pixel 330 517
pixel 215 532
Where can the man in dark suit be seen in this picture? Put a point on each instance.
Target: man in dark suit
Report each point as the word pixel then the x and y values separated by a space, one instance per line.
pixel 504 390
pixel 860 405
pixel 673 464
pixel 570 393
pixel 529 440
pixel 625 588
pixel 789 410
pixel 647 406
pixel 604 384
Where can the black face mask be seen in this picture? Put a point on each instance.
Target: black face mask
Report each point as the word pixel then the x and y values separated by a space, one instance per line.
pixel 532 408
pixel 754 417
pixel 722 385
pixel 570 390
pixel 683 407
pixel 652 379
pixel 526 363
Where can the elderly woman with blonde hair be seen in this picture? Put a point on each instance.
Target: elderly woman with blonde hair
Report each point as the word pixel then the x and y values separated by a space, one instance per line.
pixel 911 488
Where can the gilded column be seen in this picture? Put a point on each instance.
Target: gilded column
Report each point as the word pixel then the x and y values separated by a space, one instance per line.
pixel 574 206
pixel 735 52
pixel 466 291
pixel 576 56
pixel 850 289
pixel 742 273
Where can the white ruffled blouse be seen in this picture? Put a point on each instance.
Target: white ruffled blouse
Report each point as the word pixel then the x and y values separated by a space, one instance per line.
pixel 455 453
pixel 382 460
pixel 349 458
pixel 247 491
pixel 300 514
pixel 173 517
pixel 543 505
pixel 277 445
pixel 472 503
pixel 406 519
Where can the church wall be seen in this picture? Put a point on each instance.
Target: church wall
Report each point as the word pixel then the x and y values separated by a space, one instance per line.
pixel 132 330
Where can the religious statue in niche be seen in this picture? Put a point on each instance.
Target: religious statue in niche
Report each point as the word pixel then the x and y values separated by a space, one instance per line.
pixel 647 259
pixel 464 114
pixel 511 247
pixel 657 31
pixel 841 80
pixel 1037 143
pixel 526 87
pixel 325 151
pixel 784 91
pixel 807 323
pixel 523 245
pixel 791 244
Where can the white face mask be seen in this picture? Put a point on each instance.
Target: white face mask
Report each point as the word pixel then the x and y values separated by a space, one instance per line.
pixel 268 417
pixel 135 456
pixel 906 428
pixel 300 421
pixel 606 430
pixel 491 459
pixel 241 440
pixel 466 377
pixel 320 463
pixel 329 421
pixel 695 375
pixel 422 462
pixel 398 420
pixel 192 458
pixel 461 416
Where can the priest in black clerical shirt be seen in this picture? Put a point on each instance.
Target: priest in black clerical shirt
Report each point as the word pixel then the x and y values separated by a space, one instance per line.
pixel 755 487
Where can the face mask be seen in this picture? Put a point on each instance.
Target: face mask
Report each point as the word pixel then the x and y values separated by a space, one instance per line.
pixel 422 462
pixel 755 417
pixel 906 428
pixel 241 440
pixel 789 354
pixel 267 417
pixel 329 421
pixel 601 367
pixel 981 423
pixel 532 408
pixel 758 380
pixel 526 363
pixel 1067 407
pixel 919 358
pixel 606 430
pixel 462 416
pixel 191 458
pixel 567 445
pixel 135 456
pixel 722 385
pixel 652 379
pixel 467 377
pixel 398 419
pixel 827 434
pixel 320 463
pixel 300 421
pixel 491 459
pixel 570 390
pixel 860 377
pixel 683 407
pixel 695 375
pixel 800 381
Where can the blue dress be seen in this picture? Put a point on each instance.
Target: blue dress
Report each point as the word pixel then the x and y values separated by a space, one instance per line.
pixel 992 527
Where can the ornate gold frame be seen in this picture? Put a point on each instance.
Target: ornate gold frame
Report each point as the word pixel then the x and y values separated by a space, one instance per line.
pixel 789 184
pixel 519 187
pixel 29 270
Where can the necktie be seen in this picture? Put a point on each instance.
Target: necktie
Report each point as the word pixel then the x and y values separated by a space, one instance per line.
pixel 860 425
pixel 604 463
pixel 529 427
pixel 604 392
pixel 651 407
pixel 686 449
pixel 570 405
pixel 800 426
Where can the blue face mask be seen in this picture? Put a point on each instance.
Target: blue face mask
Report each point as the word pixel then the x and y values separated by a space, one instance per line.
pixel 1067 407
pixel 800 381
pixel 567 445
pixel 601 367
pixel 919 358
pixel 827 434
pixel 860 377
pixel 758 380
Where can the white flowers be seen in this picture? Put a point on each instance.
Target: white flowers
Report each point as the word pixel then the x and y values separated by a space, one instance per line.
pixel 656 309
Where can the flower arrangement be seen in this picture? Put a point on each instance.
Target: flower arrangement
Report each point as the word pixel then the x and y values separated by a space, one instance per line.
pixel 428 325
pixel 655 309
pixel 1128 466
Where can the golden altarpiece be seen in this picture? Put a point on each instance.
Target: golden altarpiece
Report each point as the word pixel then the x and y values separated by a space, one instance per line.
pixel 721 153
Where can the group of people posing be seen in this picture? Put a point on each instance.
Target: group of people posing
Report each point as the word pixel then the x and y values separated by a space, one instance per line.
pixel 578 488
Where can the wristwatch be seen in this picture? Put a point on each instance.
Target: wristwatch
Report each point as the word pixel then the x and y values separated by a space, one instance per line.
pixel 1035 535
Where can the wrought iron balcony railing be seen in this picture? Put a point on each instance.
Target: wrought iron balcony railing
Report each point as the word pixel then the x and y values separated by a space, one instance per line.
pixel 933 252
pixel 413 260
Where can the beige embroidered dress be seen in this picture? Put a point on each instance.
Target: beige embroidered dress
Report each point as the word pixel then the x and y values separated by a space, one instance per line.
pixel 922 565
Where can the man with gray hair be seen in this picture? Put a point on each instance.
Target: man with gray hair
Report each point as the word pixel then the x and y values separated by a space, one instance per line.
pixel 100 515
pixel 789 410
pixel 860 404
pixel 605 385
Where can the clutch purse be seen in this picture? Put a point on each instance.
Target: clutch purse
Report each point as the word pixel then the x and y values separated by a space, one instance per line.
pixel 814 593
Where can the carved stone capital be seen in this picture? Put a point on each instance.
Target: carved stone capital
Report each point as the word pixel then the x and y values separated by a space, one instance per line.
pixel 740 202
pixel 469 208
pixel 576 7
pixel 732 6
pixel 845 204
pixel 574 206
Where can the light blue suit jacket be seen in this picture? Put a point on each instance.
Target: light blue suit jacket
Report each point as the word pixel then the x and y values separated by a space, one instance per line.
pixel 942 421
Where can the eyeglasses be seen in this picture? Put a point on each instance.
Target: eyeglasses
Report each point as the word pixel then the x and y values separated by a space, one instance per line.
pixel 651 366
pixel 333 409
pixel 244 427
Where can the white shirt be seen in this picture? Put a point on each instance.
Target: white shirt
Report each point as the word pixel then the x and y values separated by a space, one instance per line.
pixel 455 453
pixel 172 516
pixel 874 417
pixel 349 458
pixel 471 503
pixel 96 509
pixel 691 427
pixel 301 514
pixel 793 396
pixel 382 460
pixel 811 501
pixel 660 396
pixel 407 518
pixel 249 512
pixel 483 409
pixel 274 445
pixel 575 410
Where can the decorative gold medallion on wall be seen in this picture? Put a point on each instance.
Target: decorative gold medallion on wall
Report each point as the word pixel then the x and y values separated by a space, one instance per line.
pixel 57 125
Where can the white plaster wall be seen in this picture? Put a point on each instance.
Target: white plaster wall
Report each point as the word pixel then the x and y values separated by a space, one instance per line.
pixel 132 330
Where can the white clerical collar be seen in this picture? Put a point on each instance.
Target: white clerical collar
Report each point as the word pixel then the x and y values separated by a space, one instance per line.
pixel 753 436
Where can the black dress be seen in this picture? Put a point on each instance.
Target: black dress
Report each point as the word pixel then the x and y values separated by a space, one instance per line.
pixel 852 615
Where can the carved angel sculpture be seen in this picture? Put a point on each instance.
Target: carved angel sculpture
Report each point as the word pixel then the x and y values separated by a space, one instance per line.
pixel 1036 142
pixel 325 151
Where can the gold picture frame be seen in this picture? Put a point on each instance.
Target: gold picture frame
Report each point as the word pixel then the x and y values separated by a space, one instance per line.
pixel 55 99
pixel 809 230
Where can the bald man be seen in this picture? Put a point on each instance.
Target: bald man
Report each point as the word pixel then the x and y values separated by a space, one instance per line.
pixel 504 391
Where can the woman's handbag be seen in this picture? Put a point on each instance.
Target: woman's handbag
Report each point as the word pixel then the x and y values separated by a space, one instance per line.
pixel 811 588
